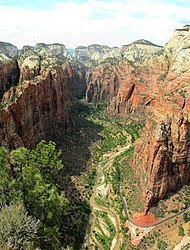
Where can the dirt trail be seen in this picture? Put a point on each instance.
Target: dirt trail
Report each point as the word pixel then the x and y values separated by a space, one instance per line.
pixel 102 188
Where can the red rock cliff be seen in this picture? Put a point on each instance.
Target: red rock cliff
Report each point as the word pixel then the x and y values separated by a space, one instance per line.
pixel 155 87
pixel 37 109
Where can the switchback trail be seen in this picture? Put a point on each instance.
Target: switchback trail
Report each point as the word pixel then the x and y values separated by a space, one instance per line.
pixel 141 225
pixel 101 188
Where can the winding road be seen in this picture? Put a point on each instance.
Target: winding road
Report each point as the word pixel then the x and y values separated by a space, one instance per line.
pixel 102 188
pixel 144 226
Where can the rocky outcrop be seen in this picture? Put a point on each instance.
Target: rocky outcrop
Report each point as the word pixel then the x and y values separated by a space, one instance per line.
pixel 39 107
pixel 139 49
pixel 8 49
pixel 32 61
pixel 58 49
pixel 9 74
pixel 153 83
pixel 162 156
pixel 92 55
pixel 95 54
pixel 127 86
pixel 36 109
pixel 77 78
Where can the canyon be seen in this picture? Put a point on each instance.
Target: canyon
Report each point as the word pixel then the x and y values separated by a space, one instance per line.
pixel 154 88
pixel 139 83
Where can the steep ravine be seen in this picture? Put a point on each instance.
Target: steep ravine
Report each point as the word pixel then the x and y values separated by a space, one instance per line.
pixel 37 90
pixel 154 88
pixel 141 81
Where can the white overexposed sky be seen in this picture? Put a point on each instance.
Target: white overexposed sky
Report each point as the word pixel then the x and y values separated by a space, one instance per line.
pixel 84 22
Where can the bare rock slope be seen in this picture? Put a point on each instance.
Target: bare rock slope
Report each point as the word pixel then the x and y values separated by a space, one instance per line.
pixel 36 102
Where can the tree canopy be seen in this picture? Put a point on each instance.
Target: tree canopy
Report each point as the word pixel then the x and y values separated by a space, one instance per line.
pixel 32 178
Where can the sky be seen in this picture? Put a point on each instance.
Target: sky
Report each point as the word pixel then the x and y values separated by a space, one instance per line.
pixel 85 22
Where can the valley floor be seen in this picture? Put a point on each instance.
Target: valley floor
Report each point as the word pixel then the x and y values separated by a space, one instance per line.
pixel 109 143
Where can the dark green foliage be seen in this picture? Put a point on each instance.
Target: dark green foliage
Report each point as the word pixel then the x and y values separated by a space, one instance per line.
pixel 182 93
pixel 186 217
pixel 133 129
pixel 161 244
pixel 181 231
pixel 4 176
pixel 175 211
pixel 111 60
pixel 100 236
pixel 91 177
pixel 32 177
pixel 116 176
pixel 162 77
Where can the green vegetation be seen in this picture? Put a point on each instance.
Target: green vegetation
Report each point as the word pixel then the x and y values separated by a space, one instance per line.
pixel 131 184
pixel 116 176
pixel 114 132
pixel 32 178
pixel 186 217
pixel 91 178
pixel 182 93
pixel 162 77
pixel 104 235
pixel 160 210
pixel 181 231
pixel 161 244
pixel 113 129
pixel 17 229
pixel 111 60
pixel 177 202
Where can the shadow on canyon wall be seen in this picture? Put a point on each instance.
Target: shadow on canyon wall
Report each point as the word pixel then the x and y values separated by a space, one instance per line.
pixel 76 158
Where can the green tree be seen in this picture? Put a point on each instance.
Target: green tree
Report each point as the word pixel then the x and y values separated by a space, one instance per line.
pixel 181 231
pixel 186 217
pixel 17 228
pixel 32 177
pixel 4 175
pixel 161 244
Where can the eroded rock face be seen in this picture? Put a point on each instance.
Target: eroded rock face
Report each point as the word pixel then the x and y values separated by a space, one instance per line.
pixel 139 49
pixel 94 54
pixel 37 109
pixel 9 74
pixel 155 86
pixel 58 49
pixel 77 79
pixel 8 49
pixel 128 86
pixel 33 60
pixel 162 156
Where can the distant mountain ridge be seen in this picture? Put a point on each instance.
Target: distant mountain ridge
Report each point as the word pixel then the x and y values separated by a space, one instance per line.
pixel 90 55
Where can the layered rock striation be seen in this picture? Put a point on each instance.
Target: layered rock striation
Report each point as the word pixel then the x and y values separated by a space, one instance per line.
pixel 38 107
pixel 162 156
pixel 94 54
pixel 151 82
